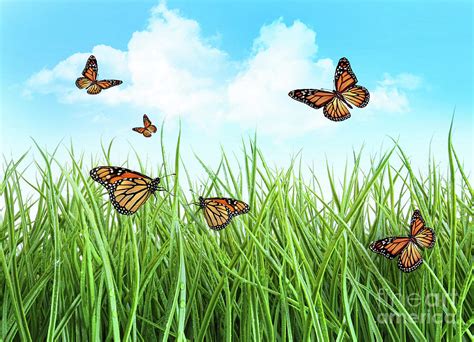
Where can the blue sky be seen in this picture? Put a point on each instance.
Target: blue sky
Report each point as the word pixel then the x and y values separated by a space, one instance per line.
pixel 224 69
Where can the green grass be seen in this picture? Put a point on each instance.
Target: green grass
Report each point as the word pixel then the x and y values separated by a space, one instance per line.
pixel 296 268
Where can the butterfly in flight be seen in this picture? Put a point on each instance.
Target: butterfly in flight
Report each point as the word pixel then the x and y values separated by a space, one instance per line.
pixel 148 128
pixel 89 79
pixel 219 211
pixel 128 190
pixel 335 102
pixel 407 248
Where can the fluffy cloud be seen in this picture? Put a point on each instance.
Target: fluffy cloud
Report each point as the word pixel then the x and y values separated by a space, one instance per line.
pixel 390 94
pixel 171 68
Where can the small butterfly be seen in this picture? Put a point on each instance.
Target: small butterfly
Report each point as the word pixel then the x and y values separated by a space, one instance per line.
pixel 335 102
pixel 128 190
pixel 407 247
pixel 148 128
pixel 219 211
pixel 89 80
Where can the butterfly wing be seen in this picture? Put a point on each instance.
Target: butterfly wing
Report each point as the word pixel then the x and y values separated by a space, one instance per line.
pixel 357 95
pixel 97 87
pixel 94 89
pixel 91 69
pixel 83 82
pixel 128 195
pixel 390 247
pixel 106 84
pixel 424 236
pixel 128 189
pixel 218 212
pixel 344 77
pixel 109 175
pixel 235 207
pixel 140 130
pixel 148 126
pixel 417 223
pixel 315 98
pixel 336 110
pixel 217 215
pixel 410 259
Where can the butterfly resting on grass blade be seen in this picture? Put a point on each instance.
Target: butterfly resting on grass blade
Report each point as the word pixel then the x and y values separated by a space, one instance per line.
pixel 89 80
pixel 335 102
pixel 219 211
pixel 147 128
pixel 407 248
pixel 128 190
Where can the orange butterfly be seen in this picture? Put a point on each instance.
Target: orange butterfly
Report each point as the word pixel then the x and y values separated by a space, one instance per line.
pixel 128 190
pixel 89 80
pixel 335 102
pixel 148 128
pixel 219 211
pixel 407 247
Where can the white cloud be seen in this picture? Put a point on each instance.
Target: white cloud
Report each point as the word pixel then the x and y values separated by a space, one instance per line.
pixel 390 94
pixel 171 68
pixel 404 80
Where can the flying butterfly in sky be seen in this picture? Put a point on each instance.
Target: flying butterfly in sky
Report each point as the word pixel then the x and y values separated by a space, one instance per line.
pixel 219 211
pixel 148 128
pixel 90 81
pixel 407 248
pixel 128 190
pixel 335 102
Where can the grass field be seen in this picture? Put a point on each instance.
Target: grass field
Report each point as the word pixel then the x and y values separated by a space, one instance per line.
pixel 296 268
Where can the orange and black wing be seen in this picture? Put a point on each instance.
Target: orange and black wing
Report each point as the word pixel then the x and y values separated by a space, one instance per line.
pixel 89 74
pixel 235 207
pixel 390 247
pixel 148 125
pixel 217 215
pixel 344 77
pixel 106 84
pixel 315 98
pixel 109 175
pixel 410 259
pixel 424 236
pixel 130 194
pixel 140 130
pixel 97 86
pixel 218 212
pixel 357 95
pixel 417 223
pixel 336 110
pixel 128 190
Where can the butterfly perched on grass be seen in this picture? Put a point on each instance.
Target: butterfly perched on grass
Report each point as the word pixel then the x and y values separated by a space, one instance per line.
pixel 128 190
pixel 335 102
pixel 219 211
pixel 407 248
pixel 89 79
pixel 147 128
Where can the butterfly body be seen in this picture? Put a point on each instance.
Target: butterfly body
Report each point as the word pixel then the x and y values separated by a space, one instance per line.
pixel 128 190
pixel 148 129
pixel 336 102
pixel 407 248
pixel 219 211
pixel 89 79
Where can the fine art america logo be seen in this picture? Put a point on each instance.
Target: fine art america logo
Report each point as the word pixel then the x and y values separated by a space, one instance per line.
pixel 427 308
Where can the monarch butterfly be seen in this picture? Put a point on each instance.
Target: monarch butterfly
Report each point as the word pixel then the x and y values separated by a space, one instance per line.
pixel 128 190
pixel 89 80
pixel 219 211
pixel 407 247
pixel 335 102
pixel 148 128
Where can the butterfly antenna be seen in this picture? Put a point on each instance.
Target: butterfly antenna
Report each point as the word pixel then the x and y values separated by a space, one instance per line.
pixel 166 190
pixel 195 203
